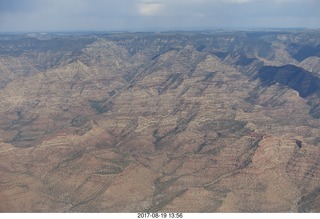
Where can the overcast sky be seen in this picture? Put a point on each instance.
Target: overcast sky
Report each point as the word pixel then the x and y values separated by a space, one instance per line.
pixel 145 15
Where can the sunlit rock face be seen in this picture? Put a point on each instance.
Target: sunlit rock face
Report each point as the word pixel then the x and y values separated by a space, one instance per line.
pixel 171 122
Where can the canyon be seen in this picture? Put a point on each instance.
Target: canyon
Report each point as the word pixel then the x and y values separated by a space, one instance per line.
pixel 207 121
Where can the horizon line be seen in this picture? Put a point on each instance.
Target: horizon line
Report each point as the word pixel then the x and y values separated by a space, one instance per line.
pixel 159 30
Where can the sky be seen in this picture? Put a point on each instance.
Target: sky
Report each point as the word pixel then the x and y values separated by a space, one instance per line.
pixel 155 15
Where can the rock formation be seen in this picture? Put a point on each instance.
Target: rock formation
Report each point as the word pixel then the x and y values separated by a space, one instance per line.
pixel 171 122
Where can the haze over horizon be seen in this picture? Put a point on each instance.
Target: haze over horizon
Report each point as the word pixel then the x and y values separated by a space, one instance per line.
pixel 145 15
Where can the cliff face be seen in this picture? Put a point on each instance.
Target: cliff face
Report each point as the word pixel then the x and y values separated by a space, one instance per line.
pixel 174 122
pixel 291 76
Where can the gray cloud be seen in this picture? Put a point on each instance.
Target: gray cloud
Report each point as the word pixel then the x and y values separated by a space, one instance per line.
pixel 78 15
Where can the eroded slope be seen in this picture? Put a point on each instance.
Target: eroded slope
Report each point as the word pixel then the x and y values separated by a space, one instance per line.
pixel 159 122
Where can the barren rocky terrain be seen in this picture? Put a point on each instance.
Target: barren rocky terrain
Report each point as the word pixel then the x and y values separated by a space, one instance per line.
pixel 172 122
